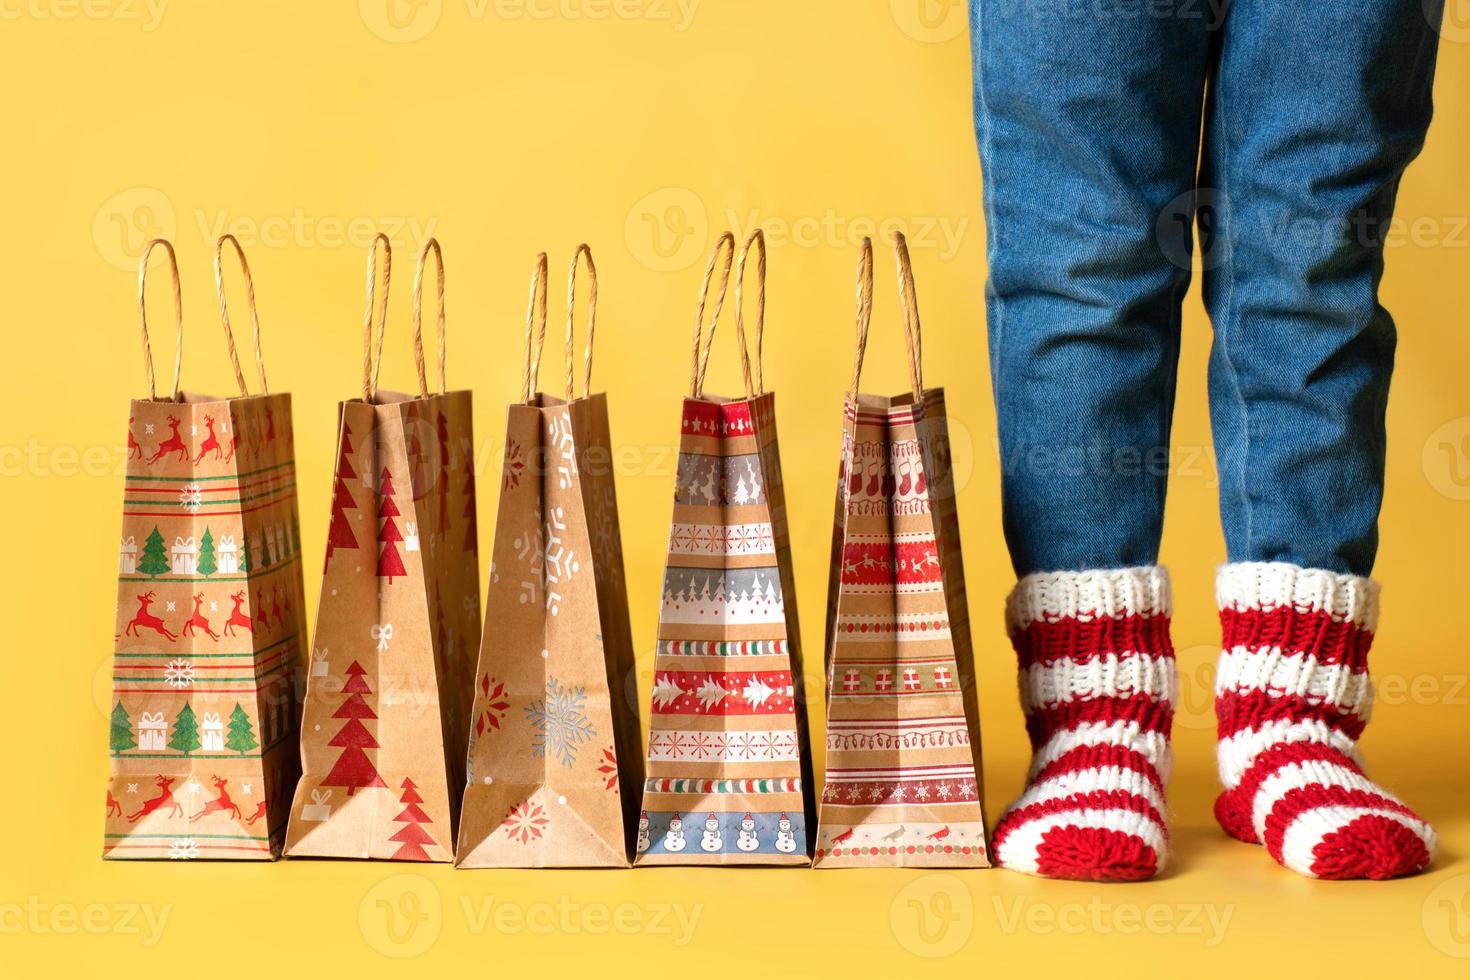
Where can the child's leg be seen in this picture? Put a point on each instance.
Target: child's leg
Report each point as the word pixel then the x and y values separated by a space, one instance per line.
pixel 1088 124
pixel 1315 110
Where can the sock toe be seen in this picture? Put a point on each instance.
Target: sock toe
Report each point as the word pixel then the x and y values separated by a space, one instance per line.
pixel 1371 846
pixel 1095 854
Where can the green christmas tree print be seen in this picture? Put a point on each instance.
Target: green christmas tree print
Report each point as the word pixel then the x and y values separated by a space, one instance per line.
pixel 245 566
pixel 265 550
pixel 242 735
pixel 155 556
pixel 207 565
pixel 185 738
pixel 121 737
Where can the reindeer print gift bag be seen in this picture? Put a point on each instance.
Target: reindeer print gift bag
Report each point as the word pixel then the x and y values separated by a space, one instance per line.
pixel 210 624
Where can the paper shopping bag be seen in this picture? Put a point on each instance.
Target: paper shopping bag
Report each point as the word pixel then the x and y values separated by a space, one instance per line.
pixel 903 785
pixel 728 760
pixel 387 698
pixel 554 762
pixel 210 619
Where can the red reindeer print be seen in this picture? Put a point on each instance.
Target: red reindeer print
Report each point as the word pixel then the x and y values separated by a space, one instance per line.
pixel 198 621
pixel 143 619
pixel 260 809
pixel 262 619
pixel 276 605
pixel 220 804
pixel 135 451
pixel 234 437
pixel 238 615
pixel 114 808
pixel 270 425
pixel 163 801
pixel 211 443
pixel 173 444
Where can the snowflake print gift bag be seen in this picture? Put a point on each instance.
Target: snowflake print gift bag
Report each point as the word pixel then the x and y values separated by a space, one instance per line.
pixel 554 761
pixel 903 786
pixel 728 760
pixel 387 697
pixel 210 618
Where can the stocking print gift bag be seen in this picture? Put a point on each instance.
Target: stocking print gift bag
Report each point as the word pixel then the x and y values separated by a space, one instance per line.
pixel 728 761
pixel 903 786
pixel 554 763
pixel 387 697
pixel 210 624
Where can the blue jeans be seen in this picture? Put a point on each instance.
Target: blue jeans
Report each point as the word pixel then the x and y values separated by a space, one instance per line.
pixel 1089 115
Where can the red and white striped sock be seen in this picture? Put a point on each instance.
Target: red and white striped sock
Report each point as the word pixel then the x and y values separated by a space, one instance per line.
pixel 1291 697
pixel 1097 686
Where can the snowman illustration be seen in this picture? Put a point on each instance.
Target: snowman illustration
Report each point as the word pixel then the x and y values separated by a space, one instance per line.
pixel 785 839
pixel 747 840
pixel 674 839
pixel 643 841
pixel 711 840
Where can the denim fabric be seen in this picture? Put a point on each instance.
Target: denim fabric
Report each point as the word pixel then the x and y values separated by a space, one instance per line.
pixel 1089 116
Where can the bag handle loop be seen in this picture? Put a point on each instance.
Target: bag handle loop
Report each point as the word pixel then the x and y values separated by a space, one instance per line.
pixel 535 328
pixel 582 250
pixel 173 263
pixel 725 246
pixel 371 362
pixel 224 311
pixel 909 304
pixel 432 245
pixel 757 238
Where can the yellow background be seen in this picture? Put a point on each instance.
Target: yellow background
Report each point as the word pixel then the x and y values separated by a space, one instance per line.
pixel 513 126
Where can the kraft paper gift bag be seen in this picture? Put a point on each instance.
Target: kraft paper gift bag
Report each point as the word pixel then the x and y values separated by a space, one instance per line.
pixel 554 761
pixel 728 760
pixel 387 698
pixel 210 619
pixel 903 785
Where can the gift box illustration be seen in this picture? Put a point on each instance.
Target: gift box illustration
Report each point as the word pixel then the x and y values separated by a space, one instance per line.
pixel 728 763
pixel 554 764
pixel 388 694
pixel 903 783
pixel 203 727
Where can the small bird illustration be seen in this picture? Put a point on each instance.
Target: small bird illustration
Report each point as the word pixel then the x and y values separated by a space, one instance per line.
pixel 895 835
pixel 940 834
pixel 843 838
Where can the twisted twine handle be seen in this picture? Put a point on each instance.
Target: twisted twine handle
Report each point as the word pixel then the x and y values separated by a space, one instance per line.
pixel 582 250
pixel 909 303
pixel 224 311
pixel 173 263
pixel 535 327
pixel 700 362
pixel 432 245
pixel 371 363
pixel 757 237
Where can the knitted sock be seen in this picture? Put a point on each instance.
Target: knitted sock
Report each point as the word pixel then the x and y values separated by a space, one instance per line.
pixel 1097 687
pixel 1292 696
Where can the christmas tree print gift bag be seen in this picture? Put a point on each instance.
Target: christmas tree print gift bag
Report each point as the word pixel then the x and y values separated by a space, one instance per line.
pixel 387 699
pixel 554 761
pixel 210 619
pixel 903 785
pixel 728 761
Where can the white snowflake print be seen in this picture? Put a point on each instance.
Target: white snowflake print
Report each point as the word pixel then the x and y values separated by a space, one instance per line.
pixel 559 430
pixel 560 722
pixel 183 848
pixel 191 497
pixel 560 562
pixel 178 673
